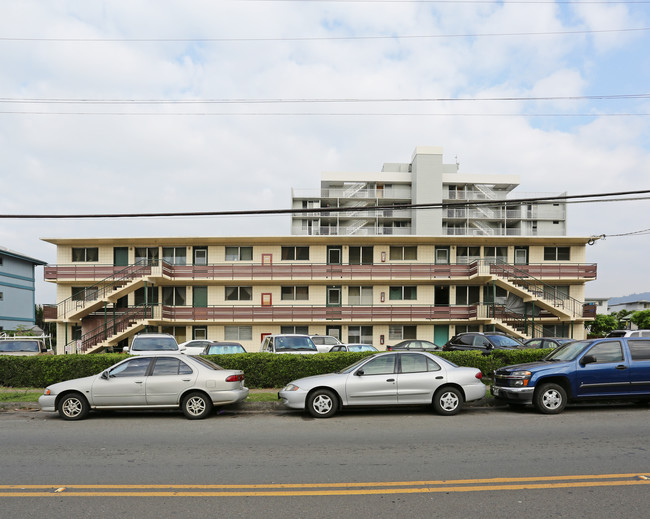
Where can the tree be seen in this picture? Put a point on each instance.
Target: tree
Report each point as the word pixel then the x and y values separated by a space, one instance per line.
pixel 603 324
pixel 641 319
pixel 623 317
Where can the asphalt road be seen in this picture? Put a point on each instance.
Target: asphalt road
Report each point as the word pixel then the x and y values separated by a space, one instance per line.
pixel 589 461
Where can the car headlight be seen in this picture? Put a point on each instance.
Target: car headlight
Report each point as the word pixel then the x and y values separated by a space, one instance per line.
pixel 47 391
pixel 521 378
pixel 291 387
pixel 520 374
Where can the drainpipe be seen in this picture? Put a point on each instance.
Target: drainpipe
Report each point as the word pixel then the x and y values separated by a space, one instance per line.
pixel 494 302
pixel 533 319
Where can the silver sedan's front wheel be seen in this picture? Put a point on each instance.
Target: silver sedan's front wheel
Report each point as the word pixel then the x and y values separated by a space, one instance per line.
pixel 322 403
pixel 73 406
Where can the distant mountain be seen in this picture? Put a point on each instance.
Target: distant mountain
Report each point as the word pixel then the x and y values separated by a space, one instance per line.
pixel 643 296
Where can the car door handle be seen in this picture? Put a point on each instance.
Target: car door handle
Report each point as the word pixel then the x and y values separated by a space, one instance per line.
pixel 187 380
pixel 621 366
pixel 390 380
pixel 138 381
pixel 439 378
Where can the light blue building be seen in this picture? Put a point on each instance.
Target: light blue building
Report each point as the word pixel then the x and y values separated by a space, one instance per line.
pixel 17 289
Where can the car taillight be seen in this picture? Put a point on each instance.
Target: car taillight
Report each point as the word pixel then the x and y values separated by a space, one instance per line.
pixel 235 378
pixel 479 375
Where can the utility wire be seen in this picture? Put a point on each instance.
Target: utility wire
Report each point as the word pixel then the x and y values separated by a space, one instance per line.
pixel 319 38
pixel 329 210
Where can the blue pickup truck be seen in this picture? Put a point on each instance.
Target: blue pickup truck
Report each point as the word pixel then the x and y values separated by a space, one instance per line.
pixel 600 369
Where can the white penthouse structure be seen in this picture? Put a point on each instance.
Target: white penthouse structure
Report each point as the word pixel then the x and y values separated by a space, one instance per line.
pixel 350 198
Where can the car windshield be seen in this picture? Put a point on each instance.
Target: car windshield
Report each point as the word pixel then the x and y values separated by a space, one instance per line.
pixel 225 348
pixel 31 346
pixel 361 347
pixel 294 344
pixel 154 344
pixel 503 340
pixel 568 351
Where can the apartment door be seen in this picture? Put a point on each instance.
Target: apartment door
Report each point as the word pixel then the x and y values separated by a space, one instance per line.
pixel 441 334
pixel 120 256
pixel 441 295
pixel 334 296
pixel 334 255
pixel 334 331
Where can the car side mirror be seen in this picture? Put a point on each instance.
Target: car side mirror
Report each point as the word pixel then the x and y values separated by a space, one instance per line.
pixel 587 359
pixel 104 375
pixel 359 373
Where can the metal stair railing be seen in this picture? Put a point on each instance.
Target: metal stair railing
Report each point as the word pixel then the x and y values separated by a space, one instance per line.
pixel 100 290
pixel 522 323
pixel 536 287
pixel 112 327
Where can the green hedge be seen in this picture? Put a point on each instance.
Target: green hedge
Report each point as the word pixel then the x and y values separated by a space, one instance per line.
pixel 262 370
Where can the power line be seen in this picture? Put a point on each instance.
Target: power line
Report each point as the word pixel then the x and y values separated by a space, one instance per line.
pixel 329 210
pixel 323 114
pixel 318 38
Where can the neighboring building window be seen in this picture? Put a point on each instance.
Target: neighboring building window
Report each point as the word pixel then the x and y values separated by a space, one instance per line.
pixel 399 333
pixel 361 256
pixel 175 255
pixel 85 254
pixel 238 333
pixel 295 293
pixel 496 254
pixel 557 253
pixel 146 255
pixel 442 255
pixel 200 255
pixel 360 334
pixel 556 291
pixel 405 293
pixel 464 328
pixel 174 296
pixel 239 253
pixel 467 295
pixel 489 292
pixel 84 293
pixel 295 253
pixel 199 333
pixel 467 254
pixel 303 330
pixel 239 293
pixel 151 299
pixel 359 295
pixel 403 252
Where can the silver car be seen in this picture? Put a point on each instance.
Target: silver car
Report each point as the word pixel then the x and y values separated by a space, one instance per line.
pixel 192 384
pixel 388 379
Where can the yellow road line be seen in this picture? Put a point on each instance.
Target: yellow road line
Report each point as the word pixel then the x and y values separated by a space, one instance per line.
pixel 419 487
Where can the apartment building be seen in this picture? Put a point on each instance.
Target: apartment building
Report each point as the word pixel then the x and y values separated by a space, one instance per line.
pixel 17 289
pixel 369 203
pixel 370 289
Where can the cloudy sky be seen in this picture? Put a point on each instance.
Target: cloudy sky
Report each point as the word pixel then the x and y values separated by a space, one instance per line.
pixel 158 106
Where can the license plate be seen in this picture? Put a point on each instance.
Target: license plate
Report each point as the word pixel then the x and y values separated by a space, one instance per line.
pixel 495 391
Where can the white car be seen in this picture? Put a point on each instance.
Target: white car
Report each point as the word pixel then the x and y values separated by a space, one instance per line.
pixel 388 379
pixel 195 346
pixel 153 343
pixel 288 343
pixel 324 343
pixel 192 384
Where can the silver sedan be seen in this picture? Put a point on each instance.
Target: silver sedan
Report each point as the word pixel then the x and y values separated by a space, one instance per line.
pixel 388 379
pixel 192 384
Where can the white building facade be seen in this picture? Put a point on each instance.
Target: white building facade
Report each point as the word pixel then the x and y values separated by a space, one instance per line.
pixel 376 203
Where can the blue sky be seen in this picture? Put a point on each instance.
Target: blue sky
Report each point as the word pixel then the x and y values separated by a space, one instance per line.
pixel 87 157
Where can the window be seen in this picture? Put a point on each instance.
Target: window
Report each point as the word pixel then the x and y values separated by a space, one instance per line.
pixel 175 255
pixel 360 295
pixel 199 333
pixel 146 255
pixel 415 363
pixel 521 255
pixel 442 255
pixel 361 256
pixel 239 293
pixel 295 253
pixel 464 328
pixel 489 293
pixel 239 253
pixel 170 366
pixel 468 254
pixel 200 255
pixel 556 292
pixel 295 293
pixel 467 295
pixel 85 254
pixel 399 333
pixel 84 293
pixel 303 330
pixel 403 252
pixel 557 253
pixel 360 334
pixel 640 350
pixel 174 296
pixel 131 368
pixel 380 366
pixel 607 352
pixel 238 333
pixel 496 254
pixel 149 297
pixel 406 293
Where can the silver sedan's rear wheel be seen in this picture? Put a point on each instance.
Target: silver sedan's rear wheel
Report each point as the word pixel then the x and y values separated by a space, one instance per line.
pixel 73 406
pixel 447 401
pixel 196 406
pixel 322 403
